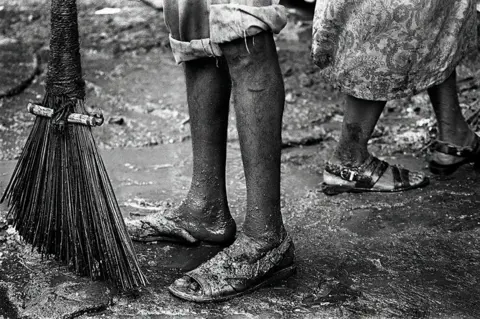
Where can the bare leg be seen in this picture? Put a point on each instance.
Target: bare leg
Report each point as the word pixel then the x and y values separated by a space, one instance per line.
pixel 452 126
pixel 264 246
pixel 259 96
pixel 204 213
pixel 360 118
pixel 205 209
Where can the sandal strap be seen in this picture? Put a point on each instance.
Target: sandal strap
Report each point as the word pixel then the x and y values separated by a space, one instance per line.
pixel 460 151
pixel 405 174
pixel 401 177
pixel 375 170
pixel 364 176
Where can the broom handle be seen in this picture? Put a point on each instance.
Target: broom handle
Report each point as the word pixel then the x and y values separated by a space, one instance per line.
pixel 74 118
pixel 64 73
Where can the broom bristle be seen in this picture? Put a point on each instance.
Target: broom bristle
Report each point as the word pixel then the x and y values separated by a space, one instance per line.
pixel 62 202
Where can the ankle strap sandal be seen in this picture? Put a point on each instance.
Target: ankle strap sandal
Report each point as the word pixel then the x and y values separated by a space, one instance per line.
pixel 470 154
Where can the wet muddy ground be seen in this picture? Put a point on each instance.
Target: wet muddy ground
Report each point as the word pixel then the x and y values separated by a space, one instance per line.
pixel 409 255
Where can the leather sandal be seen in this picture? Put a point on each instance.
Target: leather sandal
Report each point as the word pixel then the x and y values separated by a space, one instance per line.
pixel 470 154
pixel 231 273
pixel 340 179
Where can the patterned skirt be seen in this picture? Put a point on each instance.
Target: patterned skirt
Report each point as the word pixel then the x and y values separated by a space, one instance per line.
pixel 388 49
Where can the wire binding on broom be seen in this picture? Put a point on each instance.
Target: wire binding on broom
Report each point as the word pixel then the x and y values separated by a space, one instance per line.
pixel 76 118
pixel 60 196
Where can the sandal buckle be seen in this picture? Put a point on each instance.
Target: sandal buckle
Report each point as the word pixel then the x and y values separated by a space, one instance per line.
pixel 348 175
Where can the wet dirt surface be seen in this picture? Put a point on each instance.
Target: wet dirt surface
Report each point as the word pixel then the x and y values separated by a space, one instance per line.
pixel 13 52
pixel 132 77
pixel 407 255
pixel 401 255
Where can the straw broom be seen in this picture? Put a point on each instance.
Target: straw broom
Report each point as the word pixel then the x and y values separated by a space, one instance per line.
pixel 60 197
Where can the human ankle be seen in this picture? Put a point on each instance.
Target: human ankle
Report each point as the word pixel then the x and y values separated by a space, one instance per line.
pixel 459 137
pixel 349 156
pixel 208 220
pixel 201 204
pixel 267 239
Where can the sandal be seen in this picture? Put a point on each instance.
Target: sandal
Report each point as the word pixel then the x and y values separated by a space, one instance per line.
pixel 340 179
pixel 470 154
pixel 159 228
pixel 231 273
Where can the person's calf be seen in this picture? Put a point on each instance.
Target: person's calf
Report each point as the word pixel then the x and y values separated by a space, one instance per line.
pixel 258 98
pixel 208 96
pixel 204 213
pixel 453 128
pixel 360 118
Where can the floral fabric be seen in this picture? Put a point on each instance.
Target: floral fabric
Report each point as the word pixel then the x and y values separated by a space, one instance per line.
pixel 388 49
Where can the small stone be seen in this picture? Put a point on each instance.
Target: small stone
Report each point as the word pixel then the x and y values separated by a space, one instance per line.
pixel 290 98
pixel 108 11
pixel 305 80
pixel 288 72
pixel 153 142
pixel 116 120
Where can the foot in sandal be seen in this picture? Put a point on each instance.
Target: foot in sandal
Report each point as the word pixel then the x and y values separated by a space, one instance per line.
pixel 193 222
pixel 457 142
pixel 373 175
pixel 221 63
pixel 352 168
pixel 448 157
pixel 245 266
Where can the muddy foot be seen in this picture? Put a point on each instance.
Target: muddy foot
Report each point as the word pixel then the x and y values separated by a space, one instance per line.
pixel 192 222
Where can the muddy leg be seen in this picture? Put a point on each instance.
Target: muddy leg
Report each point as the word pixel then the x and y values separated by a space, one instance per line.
pixel 258 94
pixel 204 213
pixel 360 118
pixel 205 207
pixel 452 126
